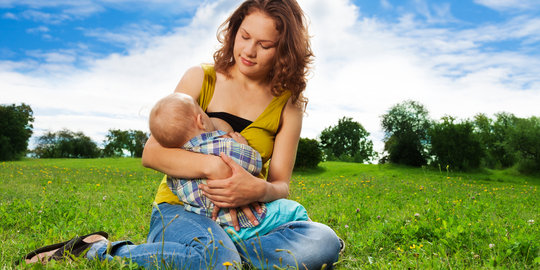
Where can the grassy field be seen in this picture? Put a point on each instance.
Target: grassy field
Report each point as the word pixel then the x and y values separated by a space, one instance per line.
pixel 390 217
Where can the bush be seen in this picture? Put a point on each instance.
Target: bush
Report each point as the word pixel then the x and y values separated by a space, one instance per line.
pixel 495 139
pixel 66 144
pixel 309 154
pixel 455 145
pixel 525 140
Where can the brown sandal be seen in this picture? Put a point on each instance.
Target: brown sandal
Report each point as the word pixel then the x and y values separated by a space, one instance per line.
pixel 69 249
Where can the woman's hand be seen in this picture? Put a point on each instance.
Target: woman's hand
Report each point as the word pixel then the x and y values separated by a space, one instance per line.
pixel 234 214
pixel 240 189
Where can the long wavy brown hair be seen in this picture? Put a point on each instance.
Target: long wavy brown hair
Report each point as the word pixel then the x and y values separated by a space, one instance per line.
pixel 294 54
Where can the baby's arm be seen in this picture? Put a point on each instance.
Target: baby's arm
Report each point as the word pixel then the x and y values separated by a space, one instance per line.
pixel 238 138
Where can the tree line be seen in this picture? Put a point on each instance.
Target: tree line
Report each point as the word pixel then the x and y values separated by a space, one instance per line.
pixel 412 138
pixel 16 129
pixel 69 144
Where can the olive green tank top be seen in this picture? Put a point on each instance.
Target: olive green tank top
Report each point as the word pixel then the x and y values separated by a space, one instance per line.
pixel 260 134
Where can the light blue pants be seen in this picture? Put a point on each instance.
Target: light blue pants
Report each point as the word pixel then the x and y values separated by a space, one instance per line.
pixel 193 241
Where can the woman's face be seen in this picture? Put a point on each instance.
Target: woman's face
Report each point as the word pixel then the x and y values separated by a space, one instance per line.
pixel 255 45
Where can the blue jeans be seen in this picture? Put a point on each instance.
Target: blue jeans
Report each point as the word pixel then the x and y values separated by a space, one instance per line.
pixel 193 241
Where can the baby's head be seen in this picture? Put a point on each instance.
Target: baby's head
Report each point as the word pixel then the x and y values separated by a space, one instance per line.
pixel 176 118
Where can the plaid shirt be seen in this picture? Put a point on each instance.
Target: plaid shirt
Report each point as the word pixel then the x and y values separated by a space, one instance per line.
pixel 187 190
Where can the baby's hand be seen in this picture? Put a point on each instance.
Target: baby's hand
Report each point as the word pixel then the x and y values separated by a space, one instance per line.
pixel 237 137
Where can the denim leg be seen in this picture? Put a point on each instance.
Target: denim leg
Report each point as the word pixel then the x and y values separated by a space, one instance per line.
pixel 312 244
pixel 188 243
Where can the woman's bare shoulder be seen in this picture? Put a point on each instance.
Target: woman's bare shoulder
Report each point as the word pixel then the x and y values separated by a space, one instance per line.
pixel 191 83
pixel 292 110
pixel 291 118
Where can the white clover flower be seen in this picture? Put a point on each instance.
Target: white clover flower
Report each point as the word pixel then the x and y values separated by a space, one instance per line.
pixel 417 215
pixel 530 221
pixel 491 246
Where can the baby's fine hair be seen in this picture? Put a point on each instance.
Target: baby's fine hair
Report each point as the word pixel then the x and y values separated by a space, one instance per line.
pixel 171 119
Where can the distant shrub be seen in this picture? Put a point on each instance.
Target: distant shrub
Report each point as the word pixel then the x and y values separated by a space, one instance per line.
pixel 455 144
pixel 66 144
pixel 525 140
pixel 309 154
pixel 494 135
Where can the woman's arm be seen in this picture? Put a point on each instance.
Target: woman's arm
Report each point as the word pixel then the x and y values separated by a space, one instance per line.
pixel 181 163
pixel 284 154
pixel 178 162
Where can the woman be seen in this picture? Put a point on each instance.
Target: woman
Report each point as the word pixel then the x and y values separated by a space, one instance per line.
pixel 256 85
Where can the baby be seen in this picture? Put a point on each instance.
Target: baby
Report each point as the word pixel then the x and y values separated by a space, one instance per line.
pixel 178 121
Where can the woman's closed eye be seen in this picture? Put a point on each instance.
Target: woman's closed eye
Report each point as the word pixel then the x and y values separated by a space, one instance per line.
pixel 265 46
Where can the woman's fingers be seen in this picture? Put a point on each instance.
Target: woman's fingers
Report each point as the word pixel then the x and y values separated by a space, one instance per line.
pixel 257 207
pixel 250 216
pixel 216 184
pixel 215 212
pixel 234 218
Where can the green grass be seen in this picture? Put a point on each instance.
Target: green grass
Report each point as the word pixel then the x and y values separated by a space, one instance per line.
pixel 391 217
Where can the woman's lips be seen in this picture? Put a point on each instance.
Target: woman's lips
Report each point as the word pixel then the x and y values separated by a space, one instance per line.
pixel 247 62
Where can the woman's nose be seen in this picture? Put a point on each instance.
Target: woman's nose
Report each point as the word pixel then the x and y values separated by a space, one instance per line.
pixel 251 49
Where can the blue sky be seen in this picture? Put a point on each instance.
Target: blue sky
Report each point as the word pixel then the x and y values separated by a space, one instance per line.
pixel 93 65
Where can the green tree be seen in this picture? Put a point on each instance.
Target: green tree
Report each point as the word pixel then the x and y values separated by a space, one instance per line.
pixel 66 144
pixel 406 138
pixel 117 142
pixel 15 130
pixel 455 144
pixel 138 140
pixel 309 154
pixel 347 141
pixel 525 140
pixel 494 137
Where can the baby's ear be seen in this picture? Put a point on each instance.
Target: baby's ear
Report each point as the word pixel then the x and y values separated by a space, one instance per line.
pixel 199 121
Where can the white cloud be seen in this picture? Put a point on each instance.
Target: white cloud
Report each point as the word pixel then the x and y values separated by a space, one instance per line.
pixel 130 36
pixel 85 8
pixel 385 4
pixel 39 29
pixel 363 67
pixel 44 17
pixel 9 15
pixel 503 5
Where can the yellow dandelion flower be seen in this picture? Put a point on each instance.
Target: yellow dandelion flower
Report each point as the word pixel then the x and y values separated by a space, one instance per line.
pixel 97 185
pixel 227 264
pixel 49 182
